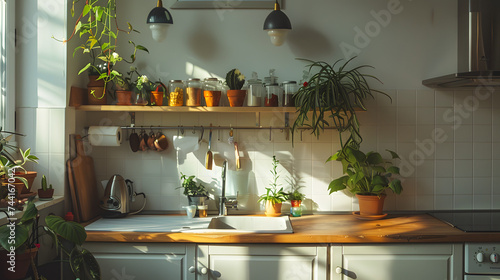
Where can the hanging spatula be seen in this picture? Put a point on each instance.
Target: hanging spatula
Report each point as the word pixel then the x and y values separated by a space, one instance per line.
pixel 209 157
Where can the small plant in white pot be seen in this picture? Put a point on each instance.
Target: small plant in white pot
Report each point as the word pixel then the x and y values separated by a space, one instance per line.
pixel 274 197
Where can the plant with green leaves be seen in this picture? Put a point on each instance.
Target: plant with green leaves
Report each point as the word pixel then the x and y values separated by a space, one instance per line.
pixel 8 165
pixel 367 174
pixel 296 195
pixel 234 79
pixel 273 193
pixel 333 94
pixel 98 23
pixel 191 188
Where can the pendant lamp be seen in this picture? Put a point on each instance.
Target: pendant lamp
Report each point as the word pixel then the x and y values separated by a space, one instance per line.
pixel 159 19
pixel 277 25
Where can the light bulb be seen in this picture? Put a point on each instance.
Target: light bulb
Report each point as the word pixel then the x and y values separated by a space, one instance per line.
pixel 278 36
pixel 159 31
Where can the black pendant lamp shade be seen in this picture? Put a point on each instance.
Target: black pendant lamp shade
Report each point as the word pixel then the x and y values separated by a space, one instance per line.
pixel 158 20
pixel 277 25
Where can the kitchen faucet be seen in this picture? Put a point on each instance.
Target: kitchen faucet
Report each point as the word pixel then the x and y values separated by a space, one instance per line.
pixel 225 202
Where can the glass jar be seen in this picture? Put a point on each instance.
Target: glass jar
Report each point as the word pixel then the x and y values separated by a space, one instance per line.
pixel 289 89
pixel 212 92
pixel 176 89
pixel 193 92
pixel 273 94
pixel 255 93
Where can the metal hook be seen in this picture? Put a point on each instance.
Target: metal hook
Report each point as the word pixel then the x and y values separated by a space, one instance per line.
pixel 218 134
pixel 270 132
pixel 182 130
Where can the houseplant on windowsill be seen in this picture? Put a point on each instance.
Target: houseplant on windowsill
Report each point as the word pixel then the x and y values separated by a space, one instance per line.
pixel 235 81
pixel 368 176
pixel 273 197
pixel 45 192
pixel 331 97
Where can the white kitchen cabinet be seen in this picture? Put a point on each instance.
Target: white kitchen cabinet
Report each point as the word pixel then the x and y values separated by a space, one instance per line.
pixel 165 261
pixel 262 261
pixel 397 262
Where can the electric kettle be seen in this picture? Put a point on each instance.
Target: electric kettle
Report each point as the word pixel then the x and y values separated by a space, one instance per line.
pixel 118 196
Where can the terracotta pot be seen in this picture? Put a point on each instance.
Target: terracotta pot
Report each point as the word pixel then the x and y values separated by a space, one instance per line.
pixel 296 203
pixel 273 210
pixel 123 97
pixel 157 98
pixel 22 264
pixel 193 96
pixel 370 205
pixel 212 97
pixel 97 88
pixel 236 97
pixel 45 194
pixel 30 177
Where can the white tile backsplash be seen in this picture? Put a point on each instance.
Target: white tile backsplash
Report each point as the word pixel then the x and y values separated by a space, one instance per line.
pixel 458 169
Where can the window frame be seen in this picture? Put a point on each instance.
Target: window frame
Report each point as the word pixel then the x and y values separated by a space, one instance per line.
pixel 7 65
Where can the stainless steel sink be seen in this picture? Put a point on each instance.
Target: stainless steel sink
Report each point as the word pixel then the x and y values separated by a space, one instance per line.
pixel 255 224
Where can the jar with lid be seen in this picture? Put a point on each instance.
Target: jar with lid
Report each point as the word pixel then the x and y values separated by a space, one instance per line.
pixel 273 94
pixel 176 89
pixel 289 88
pixel 212 92
pixel 255 91
pixel 193 92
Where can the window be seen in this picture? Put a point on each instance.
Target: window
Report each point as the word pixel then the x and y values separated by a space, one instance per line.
pixel 7 57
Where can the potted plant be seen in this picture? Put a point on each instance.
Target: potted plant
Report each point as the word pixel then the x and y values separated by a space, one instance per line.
pixel 296 197
pixel 98 23
pixel 274 197
pixel 20 248
pixel 368 176
pixel 196 193
pixel 9 178
pixel 45 192
pixel 333 94
pixel 235 81
pixel 68 235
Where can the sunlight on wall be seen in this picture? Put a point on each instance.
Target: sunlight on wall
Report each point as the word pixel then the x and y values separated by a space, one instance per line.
pixel 198 72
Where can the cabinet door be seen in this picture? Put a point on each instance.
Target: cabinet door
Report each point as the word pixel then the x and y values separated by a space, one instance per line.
pixel 396 262
pixel 250 262
pixel 120 261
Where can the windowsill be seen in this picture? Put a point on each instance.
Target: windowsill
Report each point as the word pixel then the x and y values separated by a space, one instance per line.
pixel 39 205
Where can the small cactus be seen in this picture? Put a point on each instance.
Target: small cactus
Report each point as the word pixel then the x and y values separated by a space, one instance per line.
pixel 44 183
pixel 235 80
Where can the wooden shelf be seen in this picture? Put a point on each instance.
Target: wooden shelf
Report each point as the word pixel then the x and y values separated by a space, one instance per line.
pixel 185 109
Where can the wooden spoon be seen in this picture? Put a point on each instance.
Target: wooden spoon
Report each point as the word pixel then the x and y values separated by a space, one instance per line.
pixel 209 157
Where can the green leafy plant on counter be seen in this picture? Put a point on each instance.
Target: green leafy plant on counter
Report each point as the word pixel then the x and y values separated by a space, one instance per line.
pixel 273 193
pixel 366 174
pixel 191 188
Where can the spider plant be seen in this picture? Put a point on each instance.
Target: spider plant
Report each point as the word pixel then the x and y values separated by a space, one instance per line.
pixel 335 94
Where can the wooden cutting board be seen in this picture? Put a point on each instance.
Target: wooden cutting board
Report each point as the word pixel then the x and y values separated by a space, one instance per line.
pixel 74 199
pixel 85 183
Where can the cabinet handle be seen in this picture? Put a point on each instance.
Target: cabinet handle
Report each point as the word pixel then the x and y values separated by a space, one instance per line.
pixel 191 269
pixel 339 270
pixel 204 270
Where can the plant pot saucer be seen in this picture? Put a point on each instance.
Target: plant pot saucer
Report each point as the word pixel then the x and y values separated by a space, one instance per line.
pixel 45 199
pixel 368 217
pixel 273 215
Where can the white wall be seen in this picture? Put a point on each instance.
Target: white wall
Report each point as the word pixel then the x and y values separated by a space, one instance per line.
pixel 418 42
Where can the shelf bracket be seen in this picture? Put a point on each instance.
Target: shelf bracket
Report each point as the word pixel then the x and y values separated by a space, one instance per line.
pixel 132 119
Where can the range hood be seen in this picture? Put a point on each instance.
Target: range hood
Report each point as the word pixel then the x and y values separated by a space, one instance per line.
pixel 478 46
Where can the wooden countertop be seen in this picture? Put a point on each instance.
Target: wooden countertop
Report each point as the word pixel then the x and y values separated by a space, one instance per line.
pixel 420 228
